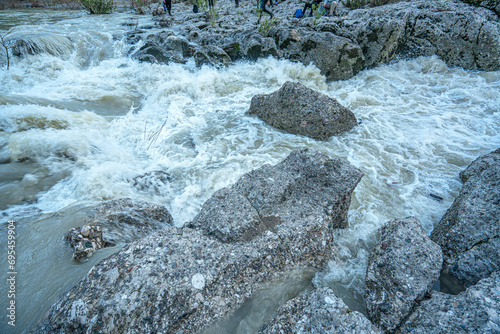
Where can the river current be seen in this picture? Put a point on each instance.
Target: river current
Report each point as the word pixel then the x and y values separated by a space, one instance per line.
pixel 80 120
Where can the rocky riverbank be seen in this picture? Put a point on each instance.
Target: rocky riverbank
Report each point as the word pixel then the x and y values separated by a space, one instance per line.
pixel 281 217
pixel 340 45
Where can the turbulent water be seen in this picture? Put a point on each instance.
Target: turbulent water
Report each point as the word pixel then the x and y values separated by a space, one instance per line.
pixel 81 119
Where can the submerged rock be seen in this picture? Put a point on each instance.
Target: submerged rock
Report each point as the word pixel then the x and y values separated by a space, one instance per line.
pixel 472 311
pixel 402 269
pixel 469 232
pixel 149 181
pixel 318 312
pixel 301 110
pixel 181 280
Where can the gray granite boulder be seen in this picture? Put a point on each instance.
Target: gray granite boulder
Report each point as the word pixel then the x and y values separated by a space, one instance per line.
pixel 306 186
pixel 230 217
pixel 318 312
pixel 301 110
pixel 211 55
pixel 494 5
pixel 469 232
pixel 164 47
pixel 472 311
pixel 181 280
pixel 254 46
pixel 378 32
pixel 456 32
pixel 338 58
pixel 402 269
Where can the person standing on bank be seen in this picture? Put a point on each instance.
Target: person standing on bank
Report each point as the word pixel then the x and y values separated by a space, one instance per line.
pixel 310 5
pixel 167 5
pixel 261 9
pixel 331 5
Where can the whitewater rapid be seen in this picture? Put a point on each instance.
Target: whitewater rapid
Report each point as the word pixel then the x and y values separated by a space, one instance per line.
pixel 81 120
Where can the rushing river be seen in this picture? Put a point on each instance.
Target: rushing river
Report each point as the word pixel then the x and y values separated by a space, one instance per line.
pixel 79 121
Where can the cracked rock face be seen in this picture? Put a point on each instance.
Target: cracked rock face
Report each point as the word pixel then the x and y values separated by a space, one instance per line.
pixel 472 311
pixel 469 232
pixel 318 312
pixel 402 268
pixel 181 280
pixel 301 110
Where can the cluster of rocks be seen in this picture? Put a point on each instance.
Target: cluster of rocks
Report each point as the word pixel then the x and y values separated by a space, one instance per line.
pixel 85 241
pixel 279 217
pixel 340 46
pixel 406 263
pixel 115 222
pixel 181 279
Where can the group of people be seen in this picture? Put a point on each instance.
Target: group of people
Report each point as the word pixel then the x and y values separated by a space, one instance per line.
pixel 329 5
pixel 325 6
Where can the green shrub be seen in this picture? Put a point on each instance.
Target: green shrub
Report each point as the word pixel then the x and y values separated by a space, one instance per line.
pixel 98 6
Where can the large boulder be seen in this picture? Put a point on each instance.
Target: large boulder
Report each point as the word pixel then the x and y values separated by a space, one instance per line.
pixel 164 47
pixel 402 269
pixel 306 186
pixel 211 55
pixel 254 46
pixel 469 232
pixel 301 110
pixel 494 5
pixel 460 38
pixel 456 32
pixel 377 32
pixel 338 58
pixel 318 312
pixel 181 280
pixel 472 311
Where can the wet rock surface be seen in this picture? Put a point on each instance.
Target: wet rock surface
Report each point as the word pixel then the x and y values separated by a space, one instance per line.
pixel 301 110
pixel 402 269
pixel 469 232
pixel 85 241
pixel 472 311
pixel 341 45
pixel 318 312
pixel 181 280
pixel 125 220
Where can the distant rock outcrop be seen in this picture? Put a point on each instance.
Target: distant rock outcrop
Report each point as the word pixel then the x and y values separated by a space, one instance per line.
pixel 318 312
pixel 301 110
pixel 402 268
pixel 181 280
pixel 469 232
